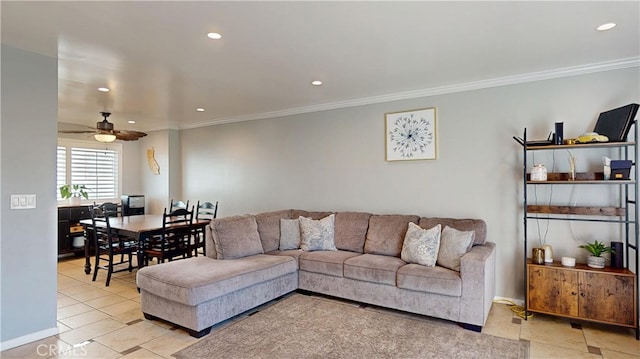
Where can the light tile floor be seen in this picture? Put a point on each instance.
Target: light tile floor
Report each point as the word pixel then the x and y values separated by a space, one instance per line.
pixel 106 322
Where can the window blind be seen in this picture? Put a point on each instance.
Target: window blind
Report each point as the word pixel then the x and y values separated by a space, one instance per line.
pixel 97 169
pixel 61 174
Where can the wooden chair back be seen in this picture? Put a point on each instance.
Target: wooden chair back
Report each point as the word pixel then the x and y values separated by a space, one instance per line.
pixel 206 210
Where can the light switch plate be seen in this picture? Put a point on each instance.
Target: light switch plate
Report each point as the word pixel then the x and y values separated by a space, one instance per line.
pixel 23 201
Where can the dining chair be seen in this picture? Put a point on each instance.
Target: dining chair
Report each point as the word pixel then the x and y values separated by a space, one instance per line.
pixel 206 211
pixel 177 205
pixel 174 239
pixel 113 209
pixel 108 244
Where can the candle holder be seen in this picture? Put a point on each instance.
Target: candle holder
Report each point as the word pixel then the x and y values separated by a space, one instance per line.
pixel 538 256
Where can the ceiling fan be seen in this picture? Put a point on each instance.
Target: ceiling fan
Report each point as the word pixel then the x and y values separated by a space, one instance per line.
pixel 104 131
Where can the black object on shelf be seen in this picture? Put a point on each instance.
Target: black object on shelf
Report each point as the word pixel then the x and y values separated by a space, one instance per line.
pixel 616 123
pixel 617 257
pixel 559 135
pixel 620 169
pixel 132 204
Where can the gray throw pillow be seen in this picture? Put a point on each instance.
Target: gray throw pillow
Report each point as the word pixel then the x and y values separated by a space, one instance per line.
pixel 453 245
pixel 317 235
pixel 289 234
pixel 421 245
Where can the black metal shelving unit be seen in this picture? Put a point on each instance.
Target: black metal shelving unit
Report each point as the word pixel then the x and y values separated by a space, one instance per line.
pixel 626 214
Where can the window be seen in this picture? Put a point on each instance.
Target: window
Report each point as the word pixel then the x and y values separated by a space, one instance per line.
pixel 93 165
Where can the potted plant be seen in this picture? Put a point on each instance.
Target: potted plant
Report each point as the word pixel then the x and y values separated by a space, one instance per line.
pixel 596 249
pixel 74 192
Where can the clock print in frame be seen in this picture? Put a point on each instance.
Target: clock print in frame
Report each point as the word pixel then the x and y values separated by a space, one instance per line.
pixel 411 135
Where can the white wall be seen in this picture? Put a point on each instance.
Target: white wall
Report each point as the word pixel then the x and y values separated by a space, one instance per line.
pixel 159 189
pixel 28 238
pixel 175 167
pixel 133 163
pixel 334 160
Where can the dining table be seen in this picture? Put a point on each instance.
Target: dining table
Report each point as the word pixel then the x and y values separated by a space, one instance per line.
pixel 139 227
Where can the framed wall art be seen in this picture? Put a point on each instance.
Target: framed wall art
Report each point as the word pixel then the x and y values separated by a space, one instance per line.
pixel 411 135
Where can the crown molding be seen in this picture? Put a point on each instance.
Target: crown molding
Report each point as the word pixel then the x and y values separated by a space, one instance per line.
pixel 442 90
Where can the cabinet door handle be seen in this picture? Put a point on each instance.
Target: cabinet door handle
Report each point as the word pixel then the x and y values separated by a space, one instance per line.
pixel 582 295
pixel 573 293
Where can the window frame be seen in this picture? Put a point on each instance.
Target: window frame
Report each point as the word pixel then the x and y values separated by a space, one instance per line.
pixel 68 144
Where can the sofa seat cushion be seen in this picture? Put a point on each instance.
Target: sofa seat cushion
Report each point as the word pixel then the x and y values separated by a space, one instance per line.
pixel 436 279
pixel 197 280
pixel 293 253
pixel 325 262
pixel 373 268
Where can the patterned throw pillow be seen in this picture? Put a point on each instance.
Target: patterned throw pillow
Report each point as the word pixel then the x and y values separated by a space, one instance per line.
pixel 317 235
pixel 289 234
pixel 453 245
pixel 421 245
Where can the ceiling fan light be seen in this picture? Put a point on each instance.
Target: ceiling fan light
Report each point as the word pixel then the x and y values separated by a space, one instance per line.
pixel 104 137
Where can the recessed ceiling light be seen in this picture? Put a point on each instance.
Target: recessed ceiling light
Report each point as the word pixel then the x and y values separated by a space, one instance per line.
pixel 200 109
pixel 214 35
pixel 316 83
pixel 131 122
pixel 607 26
pixel 103 89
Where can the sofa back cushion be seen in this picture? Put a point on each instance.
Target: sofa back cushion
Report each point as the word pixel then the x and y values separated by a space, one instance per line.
pixel 351 230
pixel 236 237
pixel 386 234
pixel 477 225
pixel 295 213
pixel 269 228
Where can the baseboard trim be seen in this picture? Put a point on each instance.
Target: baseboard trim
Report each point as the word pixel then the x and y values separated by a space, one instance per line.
pixel 16 342
pixel 519 302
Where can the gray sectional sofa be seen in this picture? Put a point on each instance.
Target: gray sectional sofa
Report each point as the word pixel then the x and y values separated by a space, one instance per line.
pixel 245 267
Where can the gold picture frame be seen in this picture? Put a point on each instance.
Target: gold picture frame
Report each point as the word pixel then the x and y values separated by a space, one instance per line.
pixel 411 135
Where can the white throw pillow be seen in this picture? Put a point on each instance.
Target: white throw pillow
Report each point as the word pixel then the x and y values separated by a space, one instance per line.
pixel 289 234
pixel 453 245
pixel 317 235
pixel 421 245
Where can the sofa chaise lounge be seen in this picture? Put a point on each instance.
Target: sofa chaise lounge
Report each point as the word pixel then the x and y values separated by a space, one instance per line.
pixel 247 263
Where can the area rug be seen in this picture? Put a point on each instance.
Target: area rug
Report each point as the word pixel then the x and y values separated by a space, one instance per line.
pixel 302 326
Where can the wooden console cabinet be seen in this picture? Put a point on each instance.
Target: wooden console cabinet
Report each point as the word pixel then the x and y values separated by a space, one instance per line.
pixel 601 295
pixel 69 227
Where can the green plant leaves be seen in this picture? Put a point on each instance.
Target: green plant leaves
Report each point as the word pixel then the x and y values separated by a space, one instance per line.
pixel 597 248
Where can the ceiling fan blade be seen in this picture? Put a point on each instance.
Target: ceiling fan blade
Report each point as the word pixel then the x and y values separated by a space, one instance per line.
pixel 128 135
pixel 105 127
pixel 77 131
